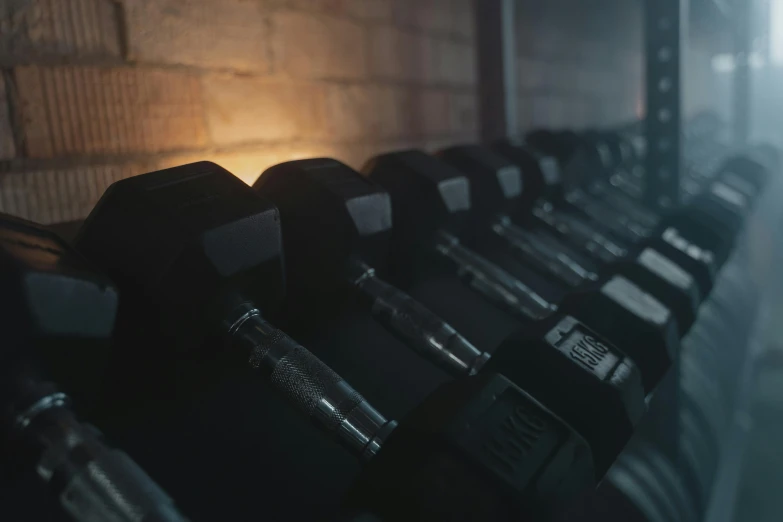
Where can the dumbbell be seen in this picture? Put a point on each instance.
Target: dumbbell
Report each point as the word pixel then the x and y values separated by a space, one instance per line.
pixel 336 229
pixel 543 187
pixel 494 207
pixel 610 193
pixel 197 255
pixel 720 203
pixel 498 210
pixel 742 171
pixel 50 299
pixel 431 204
pixel 607 155
pixel 682 239
pixel 601 158
pixel 700 262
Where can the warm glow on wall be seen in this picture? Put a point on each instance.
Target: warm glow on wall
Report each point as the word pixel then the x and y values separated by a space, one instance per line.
pixel 249 165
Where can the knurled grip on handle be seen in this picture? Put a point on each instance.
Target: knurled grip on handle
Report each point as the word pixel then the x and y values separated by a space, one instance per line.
pixel 311 386
pixel 112 487
pixel 308 383
pixel 418 327
pixel 91 481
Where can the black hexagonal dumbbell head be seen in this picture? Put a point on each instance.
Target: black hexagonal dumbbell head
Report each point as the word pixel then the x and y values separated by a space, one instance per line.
pixel 579 158
pixel 57 312
pixel 633 320
pixel 49 292
pixel 192 237
pixel 561 145
pixel 500 196
pixel 710 221
pixel 556 351
pixel 438 201
pixel 477 449
pixel 541 173
pixel 769 158
pixel 748 172
pixel 332 217
pixel 665 280
pixel 695 259
pixel 576 373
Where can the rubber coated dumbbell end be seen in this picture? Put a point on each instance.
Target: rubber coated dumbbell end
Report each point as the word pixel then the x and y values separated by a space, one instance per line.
pixel 48 290
pixel 541 172
pixel 189 236
pixel 496 182
pixel 598 388
pixel 750 168
pixel 478 448
pixel 436 195
pixel 644 328
pixel 329 214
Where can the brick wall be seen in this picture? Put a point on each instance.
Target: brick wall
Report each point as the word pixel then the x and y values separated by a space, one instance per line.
pixel 579 63
pixel 95 90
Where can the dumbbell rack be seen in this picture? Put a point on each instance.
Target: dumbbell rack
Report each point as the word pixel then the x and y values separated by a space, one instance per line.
pixel 668 425
pixel 665 26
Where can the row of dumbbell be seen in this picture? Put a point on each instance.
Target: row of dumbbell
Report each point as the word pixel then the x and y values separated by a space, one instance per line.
pixel 725 319
pixel 586 293
pixel 677 485
pixel 666 485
